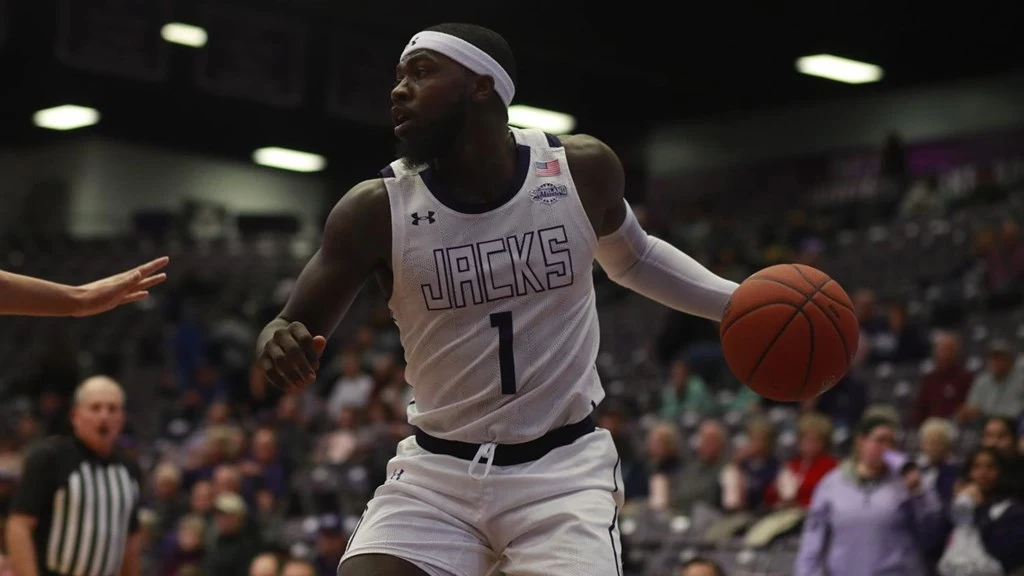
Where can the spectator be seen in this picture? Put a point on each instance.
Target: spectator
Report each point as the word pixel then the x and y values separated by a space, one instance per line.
pixel 989 502
pixel 755 465
pixel 999 390
pixel 265 466
pixel 331 541
pixel 340 445
pixel 353 387
pixel 685 392
pixel 866 519
pixel 298 568
pixel 295 441
pixel 264 565
pixel 999 434
pixel 938 471
pixel 1004 268
pixel 871 323
pixel 843 403
pixel 235 544
pixel 201 499
pixel 797 480
pixel 899 341
pixel 924 199
pixel 168 502
pixel 698 481
pixel 665 461
pixel 227 479
pixel 701 566
pixel 269 518
pixel 944 389
pixel 187 548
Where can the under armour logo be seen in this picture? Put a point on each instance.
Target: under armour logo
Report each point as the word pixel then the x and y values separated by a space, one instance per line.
pixel 416 218
pixel 397 474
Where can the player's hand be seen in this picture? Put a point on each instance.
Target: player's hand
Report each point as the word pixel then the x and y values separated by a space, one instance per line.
pixel 291 357
pixel 109 293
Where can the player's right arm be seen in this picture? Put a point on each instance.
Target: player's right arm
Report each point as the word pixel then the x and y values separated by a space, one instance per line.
pixel 356 242
pixel 31 500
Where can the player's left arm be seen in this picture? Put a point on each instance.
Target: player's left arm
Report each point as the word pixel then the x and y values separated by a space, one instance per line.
pixel 629 255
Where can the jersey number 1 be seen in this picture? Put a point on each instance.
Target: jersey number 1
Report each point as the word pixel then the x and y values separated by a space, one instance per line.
pixel 506 359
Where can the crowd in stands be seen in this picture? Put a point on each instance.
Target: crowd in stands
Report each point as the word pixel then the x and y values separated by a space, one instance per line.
pixel 920 440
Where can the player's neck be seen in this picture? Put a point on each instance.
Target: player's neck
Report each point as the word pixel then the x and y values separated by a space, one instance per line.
pixel 481 164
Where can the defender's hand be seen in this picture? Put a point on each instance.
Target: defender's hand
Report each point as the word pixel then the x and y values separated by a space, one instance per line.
pixel 109 293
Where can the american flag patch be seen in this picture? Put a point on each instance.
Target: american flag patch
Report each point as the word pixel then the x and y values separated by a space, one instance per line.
pixel 550 168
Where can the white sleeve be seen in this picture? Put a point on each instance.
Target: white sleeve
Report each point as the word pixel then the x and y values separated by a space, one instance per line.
pixel 659 271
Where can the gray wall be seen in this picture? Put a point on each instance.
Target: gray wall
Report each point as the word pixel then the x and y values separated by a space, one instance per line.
pixel 109 181
pixel 926 114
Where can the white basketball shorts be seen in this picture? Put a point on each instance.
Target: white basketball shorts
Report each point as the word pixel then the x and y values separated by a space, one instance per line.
pixel 556 516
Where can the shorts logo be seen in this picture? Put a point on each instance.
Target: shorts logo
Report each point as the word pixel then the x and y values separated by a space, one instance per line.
pixel 548 193
pixel 397 474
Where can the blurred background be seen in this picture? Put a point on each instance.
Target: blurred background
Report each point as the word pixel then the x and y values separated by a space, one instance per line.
pixel 222 132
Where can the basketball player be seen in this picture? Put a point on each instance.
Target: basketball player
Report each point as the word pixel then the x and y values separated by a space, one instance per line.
pixel 484 236
pixel 27 296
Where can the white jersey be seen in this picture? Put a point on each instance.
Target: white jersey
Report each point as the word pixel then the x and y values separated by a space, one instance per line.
pixel 495 304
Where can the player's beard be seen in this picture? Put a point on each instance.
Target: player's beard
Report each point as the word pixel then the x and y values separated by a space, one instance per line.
pixel 427 143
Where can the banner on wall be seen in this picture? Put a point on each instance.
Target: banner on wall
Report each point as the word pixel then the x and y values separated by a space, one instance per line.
pixel 119 37
pixel 253 56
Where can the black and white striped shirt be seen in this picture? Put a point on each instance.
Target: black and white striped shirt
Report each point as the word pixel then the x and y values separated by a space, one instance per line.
pixel 85 507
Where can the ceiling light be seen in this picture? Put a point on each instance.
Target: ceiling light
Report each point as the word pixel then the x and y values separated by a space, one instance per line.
pixel 286 159
pixel 184 34
pixel 546 120
pixel 839 69
pixel 67 117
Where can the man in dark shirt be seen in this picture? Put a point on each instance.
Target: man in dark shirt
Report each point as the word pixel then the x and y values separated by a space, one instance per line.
pixel 943 390
pixel 75 510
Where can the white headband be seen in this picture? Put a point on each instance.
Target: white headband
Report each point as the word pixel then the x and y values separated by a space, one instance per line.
pixel 478 61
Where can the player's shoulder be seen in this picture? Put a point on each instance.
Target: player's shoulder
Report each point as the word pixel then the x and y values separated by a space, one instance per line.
pixel 364 200
pixel 361 218
pixel 595 167
pixel 586 147
pixel 368 191
pixel 590 156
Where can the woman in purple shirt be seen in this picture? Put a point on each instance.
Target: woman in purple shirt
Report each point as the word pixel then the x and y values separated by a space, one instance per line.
pixel 866 518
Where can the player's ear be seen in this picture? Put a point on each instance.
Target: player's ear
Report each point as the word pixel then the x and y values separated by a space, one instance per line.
pixel 482 88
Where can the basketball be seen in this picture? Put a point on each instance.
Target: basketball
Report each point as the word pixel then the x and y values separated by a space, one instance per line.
pixel 789 332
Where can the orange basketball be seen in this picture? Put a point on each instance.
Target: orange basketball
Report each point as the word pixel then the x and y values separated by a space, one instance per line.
pixel 789 332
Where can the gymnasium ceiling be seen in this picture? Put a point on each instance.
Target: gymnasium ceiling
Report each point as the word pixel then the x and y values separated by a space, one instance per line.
pixel 327 64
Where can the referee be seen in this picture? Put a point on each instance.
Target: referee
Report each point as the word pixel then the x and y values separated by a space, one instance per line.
pixel 75 510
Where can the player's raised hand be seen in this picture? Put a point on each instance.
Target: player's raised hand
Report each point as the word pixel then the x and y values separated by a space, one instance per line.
pixel 291 357
pixel 129 286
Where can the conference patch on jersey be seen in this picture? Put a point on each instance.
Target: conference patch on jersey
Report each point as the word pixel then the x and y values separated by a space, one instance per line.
pixel 549 193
